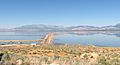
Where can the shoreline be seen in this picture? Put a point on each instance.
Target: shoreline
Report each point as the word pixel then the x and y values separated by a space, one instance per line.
pixel 56 45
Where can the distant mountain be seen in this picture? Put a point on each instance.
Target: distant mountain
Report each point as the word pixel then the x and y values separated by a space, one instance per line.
pixel 5 30
pixel 83 28
pixel 41 27
pixel 117 25
pixel 106 28
pixel 38 28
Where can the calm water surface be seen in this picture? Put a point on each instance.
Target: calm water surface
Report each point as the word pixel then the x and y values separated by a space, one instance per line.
pixel 67 38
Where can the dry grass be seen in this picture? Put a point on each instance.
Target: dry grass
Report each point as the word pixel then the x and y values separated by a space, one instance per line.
pixel 59 55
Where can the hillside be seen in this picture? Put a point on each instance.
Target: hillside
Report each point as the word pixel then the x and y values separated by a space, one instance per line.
pixel 41 27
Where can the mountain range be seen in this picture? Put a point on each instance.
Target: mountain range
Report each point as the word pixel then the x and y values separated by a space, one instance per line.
pixel 41 27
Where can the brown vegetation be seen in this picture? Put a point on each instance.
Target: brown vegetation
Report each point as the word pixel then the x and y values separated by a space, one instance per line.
pixel 59 55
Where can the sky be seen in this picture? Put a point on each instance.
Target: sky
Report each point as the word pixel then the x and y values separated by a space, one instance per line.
pixel 15 13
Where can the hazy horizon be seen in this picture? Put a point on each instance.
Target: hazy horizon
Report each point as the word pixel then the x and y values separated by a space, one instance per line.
pixel 55 25
pixel 99 13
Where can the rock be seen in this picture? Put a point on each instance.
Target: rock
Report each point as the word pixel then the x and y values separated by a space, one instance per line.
pixel 19 62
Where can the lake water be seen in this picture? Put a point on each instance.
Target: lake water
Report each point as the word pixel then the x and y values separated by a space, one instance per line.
pixel 84 38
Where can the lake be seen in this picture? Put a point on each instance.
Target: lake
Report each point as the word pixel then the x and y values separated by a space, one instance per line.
pixel 98 38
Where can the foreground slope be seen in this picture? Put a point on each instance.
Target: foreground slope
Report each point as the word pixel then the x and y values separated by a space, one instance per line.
pixel 58 55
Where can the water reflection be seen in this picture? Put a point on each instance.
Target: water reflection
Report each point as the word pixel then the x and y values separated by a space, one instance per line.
pixel 114 33
pixel 99 38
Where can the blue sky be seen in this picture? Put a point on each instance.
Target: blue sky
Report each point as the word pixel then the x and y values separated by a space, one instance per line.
pixel 59 12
